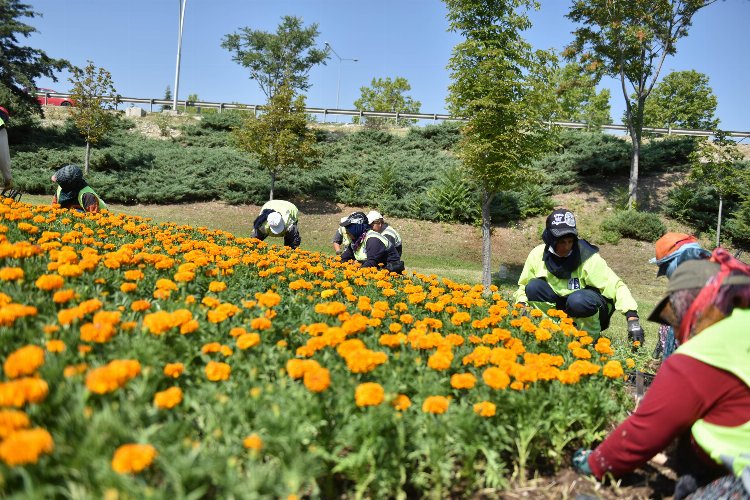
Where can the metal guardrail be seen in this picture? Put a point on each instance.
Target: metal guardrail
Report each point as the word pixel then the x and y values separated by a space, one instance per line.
pixel 220 106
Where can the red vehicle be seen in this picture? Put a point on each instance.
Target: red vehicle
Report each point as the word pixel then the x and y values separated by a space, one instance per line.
pixel 43 98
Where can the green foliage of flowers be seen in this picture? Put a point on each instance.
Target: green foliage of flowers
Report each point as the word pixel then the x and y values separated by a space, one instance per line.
pixel 159 295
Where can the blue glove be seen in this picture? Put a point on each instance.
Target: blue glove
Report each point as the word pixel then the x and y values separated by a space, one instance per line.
pixel 581 462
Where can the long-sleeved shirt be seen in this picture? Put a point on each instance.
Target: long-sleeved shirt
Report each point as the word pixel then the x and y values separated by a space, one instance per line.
pixel 684 391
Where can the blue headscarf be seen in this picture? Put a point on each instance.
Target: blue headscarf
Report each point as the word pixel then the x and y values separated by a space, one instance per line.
pixel 688 251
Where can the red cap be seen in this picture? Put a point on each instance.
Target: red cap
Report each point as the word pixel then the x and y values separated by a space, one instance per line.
pixel 671 242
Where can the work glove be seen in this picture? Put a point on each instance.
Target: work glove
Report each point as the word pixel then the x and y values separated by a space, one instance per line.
pixel 635 333
pixel 581 462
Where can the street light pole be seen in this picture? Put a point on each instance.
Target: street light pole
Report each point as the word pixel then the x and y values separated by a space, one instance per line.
pixel 338 83
pixel 179 53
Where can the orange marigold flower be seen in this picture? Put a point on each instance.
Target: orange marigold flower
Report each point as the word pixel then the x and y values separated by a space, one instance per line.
pixel 165 284
pixel 237 331
pixel 55 345
pixel 189 327
pixel 253 442
pixel 140 305
pixel 24 361
pixel 49 282
pixel 296 368
pixel 216 371
pixel 401 402
pixel 11 273
pixel 63 296
pixel 517 385
pixel 260 323
pixel 485 409
pixel 435 404
pixel 568 377
pixel 18 392
pixel 25 446
pixel 70 270
pixel 217 286
pixel 463 381
pixel 613 369
pixel 268 299
pixel 496 378
pixel 134 275
pixel 133 458
pixel 581 353
pixel 174 370
pixel 11 421
pixel 128 287
pixel 317 379
pixel 248 340
pixel 112 376
pixel 536 313
pixel 169 398
pixel 369 394
pixel 630 363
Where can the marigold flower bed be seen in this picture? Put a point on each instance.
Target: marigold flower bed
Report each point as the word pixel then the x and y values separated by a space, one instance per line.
pixel 141 357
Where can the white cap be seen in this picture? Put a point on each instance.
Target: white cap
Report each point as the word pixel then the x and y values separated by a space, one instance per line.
pixel 275 223
pixel 373 216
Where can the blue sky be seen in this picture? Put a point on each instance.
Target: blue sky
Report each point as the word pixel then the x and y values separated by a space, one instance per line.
pixel 136 40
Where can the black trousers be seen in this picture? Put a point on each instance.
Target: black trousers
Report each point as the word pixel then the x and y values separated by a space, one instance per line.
pixel 579 304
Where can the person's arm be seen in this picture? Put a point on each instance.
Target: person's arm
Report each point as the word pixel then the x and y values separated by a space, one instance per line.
pixel 683 391
pixel 527 274
pixel 376 252
pixel 347 254
pixel 292 237
pixel 338 238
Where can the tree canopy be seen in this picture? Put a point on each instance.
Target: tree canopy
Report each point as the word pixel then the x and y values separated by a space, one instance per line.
pixel 91 114
pixel 683 99
pixel 20 66
pixel 279 138
pixel 630 40
pixel 284 57
pixel 575 91
pixel 386 95
pixel 500 85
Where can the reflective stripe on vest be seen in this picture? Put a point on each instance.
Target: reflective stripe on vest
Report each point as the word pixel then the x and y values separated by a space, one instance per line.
pixel 361 253
pixel 724 345
pixel 396 237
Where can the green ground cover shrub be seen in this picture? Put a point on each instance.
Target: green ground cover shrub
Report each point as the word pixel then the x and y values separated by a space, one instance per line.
pixel 643 226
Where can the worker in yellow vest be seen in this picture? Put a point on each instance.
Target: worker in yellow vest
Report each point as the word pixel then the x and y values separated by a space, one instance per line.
pixel 369 247
pixel 74 192
pixel 278 218
pixel 701 394
pixel 378 223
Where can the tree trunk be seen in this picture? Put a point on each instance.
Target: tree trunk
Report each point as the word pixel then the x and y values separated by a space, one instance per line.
pixel 635 154
pixel 486 240
pixel 273 182
pixel 718 223
pixel 86 160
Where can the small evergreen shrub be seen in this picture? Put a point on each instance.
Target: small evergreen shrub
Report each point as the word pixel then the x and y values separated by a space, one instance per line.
pixel 667 154
pixel 643 226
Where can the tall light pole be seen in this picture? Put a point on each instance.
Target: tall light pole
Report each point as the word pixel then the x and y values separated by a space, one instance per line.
pixel 338 84
pixel 181 4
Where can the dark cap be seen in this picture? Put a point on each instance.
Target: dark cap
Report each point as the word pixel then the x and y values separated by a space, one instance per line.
pixel 694 274
pixel 562 222
pixel 355 218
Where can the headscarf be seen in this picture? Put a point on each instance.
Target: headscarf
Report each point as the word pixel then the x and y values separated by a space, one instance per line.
pixel 688 251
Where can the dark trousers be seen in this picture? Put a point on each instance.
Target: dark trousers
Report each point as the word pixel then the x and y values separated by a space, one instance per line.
pixel 579 304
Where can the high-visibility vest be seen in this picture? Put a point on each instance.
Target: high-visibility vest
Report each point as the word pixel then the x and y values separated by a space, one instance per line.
pixel 394 234
pixel 345 241
pixel 724 345
pixel 288 213
pixel 361 253
pixel 87 189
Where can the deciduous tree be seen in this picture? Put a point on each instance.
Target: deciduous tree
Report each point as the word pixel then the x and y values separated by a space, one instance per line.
pixel 629 40
pixel 20 66
pixel 279 138
pixel 500 85
pixel 93 115
pixel 389 96
pixel 683 99
pixel 284 57
pixel 575 91
pixel 718 164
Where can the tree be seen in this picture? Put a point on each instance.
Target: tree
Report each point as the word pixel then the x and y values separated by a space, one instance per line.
pixel 92 114
pixel 167 97
pixel 284 57
pixel 500 86
pixel 20 66
pixel 718 164
pixel 575 90
pixel 629 40
pixel 389 96
pixel 279 138
pixel 683 99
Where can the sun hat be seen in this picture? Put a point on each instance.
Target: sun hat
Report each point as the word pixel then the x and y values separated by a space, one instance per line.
pixel 671 242
pixel 275 223
pixel 373 215
pixel 561 222
pixel 694 274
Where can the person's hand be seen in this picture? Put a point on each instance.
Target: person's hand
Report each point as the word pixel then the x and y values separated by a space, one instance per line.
pixel 635 333
pixel 581 462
